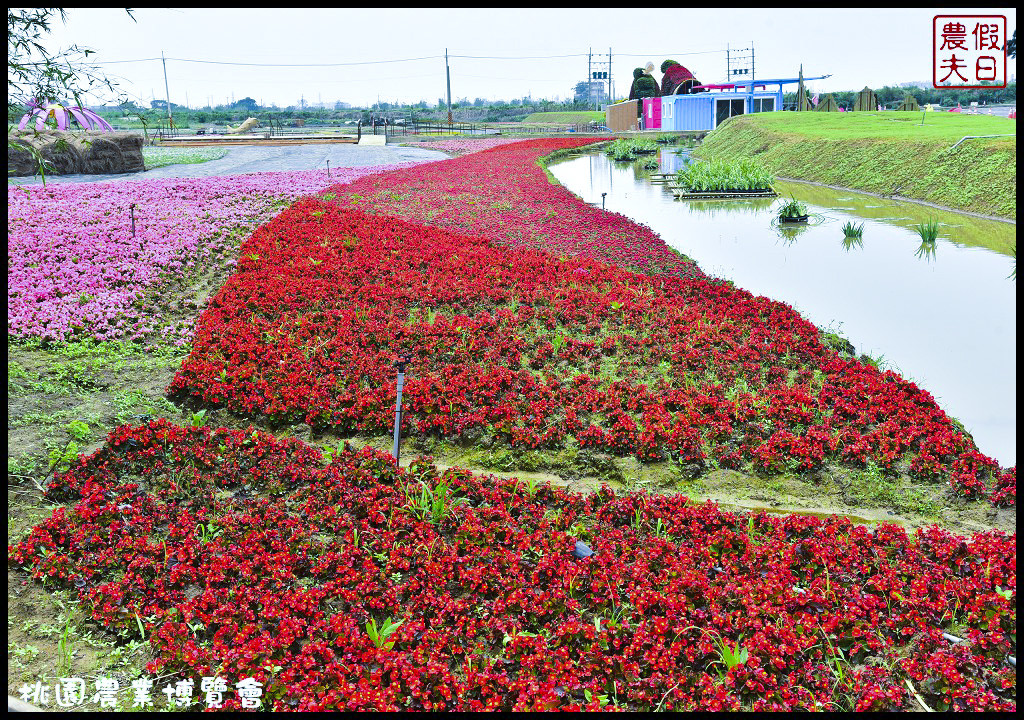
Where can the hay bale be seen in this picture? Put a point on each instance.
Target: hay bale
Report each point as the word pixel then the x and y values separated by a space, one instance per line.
pixel 71 153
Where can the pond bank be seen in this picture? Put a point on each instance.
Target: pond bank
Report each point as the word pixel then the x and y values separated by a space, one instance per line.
pixel 902 198
pixel 890 154
pixel 925 314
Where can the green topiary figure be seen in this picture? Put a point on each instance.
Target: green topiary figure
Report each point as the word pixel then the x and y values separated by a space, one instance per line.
pixel 637 74
pixel 646 86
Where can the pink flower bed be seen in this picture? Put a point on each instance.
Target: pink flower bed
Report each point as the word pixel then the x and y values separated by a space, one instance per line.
pixel 465 145
pixel 75 270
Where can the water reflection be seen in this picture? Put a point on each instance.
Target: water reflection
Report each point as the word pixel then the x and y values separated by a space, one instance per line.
pixel 852 242
pixel 673 159
pixel 789 232
pixel 926 251
pixel 964 230
pixel 711 208
pixel 870 290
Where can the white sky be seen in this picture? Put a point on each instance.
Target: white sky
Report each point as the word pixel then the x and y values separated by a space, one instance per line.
pixel 858 47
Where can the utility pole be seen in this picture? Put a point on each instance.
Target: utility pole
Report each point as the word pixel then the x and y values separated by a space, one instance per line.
pixel 590 75
pixel 170 120
pixel 448 76
pixel 610 99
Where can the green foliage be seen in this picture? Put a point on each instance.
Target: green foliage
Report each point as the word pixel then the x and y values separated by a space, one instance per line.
pixel 576 117
pixel 379 636
pixel 646 86
pixel 793 208
pixel 718 176
pixel 624 149
pixel 433 504
pixel 882 152
pixel 929 231
pixel 851 230
pixel 78 430
pixel 155 157
pixel 35 72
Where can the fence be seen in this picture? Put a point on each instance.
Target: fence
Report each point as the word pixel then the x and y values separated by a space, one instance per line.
pixel 390 127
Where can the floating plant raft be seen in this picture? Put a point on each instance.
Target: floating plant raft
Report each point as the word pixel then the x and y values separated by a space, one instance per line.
pixel 683 194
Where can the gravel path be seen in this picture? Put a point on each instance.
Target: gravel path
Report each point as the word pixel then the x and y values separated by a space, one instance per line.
pixel 249 159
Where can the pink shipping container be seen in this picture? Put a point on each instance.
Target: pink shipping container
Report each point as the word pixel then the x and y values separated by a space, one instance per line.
pixel 652 113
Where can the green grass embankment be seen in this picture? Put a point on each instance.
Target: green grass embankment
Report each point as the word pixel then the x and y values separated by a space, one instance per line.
pixel 581 116
pixel 889 153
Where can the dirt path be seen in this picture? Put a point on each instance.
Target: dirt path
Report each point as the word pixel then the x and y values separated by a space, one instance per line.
pixel 248 159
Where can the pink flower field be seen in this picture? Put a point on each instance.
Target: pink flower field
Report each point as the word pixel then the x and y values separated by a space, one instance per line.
pixel 465 145
pixel 75 270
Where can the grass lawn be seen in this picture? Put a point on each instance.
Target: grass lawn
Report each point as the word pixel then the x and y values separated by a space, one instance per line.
pixel 898 125
pixel 159 156
pixel 583 116
pixel 886 153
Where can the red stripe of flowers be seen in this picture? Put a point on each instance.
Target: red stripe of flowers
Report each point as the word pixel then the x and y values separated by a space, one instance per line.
pixel 295 556
pixel 532 349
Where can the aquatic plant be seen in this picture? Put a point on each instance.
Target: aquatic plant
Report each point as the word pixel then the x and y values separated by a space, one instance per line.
pixel 852 241
pixel 851 230
pixel 929 231
pixel 624 149
pixel 719 176
pixel 926 250
pixel 792 209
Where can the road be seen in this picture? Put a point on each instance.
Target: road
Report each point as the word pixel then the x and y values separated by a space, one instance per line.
pixel 251 159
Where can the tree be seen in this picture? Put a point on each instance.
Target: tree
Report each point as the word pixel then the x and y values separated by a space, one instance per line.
pixel 1011 47
pixel 33 72
pixel 247 104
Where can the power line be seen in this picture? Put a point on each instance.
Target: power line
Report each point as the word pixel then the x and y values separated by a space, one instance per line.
pixel 517 57
pixel 219 62
pixel 381 62
pixel 699 52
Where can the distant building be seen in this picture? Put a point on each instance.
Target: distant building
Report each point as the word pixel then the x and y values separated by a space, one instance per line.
pixel 596 91
pixel 710 105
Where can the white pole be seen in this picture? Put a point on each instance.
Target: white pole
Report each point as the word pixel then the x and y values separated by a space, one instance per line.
pixel 170 120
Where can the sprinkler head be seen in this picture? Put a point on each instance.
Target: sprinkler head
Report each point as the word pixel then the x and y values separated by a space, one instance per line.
pixel 404 358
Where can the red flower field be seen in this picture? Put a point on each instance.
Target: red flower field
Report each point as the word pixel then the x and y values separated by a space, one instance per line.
pixel 536 351
pixel 534 321
pixel 504 195
pixel 247 556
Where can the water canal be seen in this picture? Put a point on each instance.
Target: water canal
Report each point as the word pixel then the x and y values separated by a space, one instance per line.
pixel 944 317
